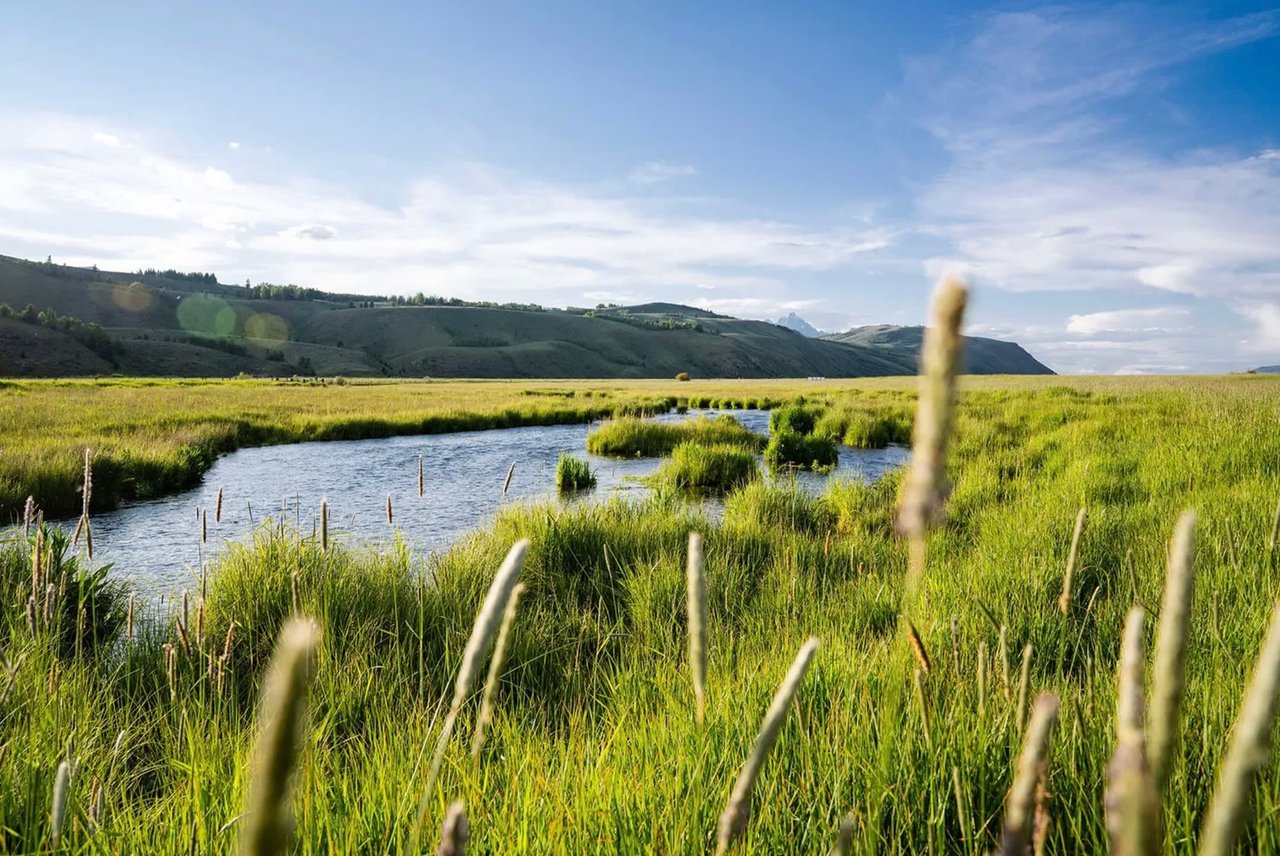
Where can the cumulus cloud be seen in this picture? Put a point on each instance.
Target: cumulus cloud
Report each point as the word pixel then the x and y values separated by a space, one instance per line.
pixel 1131 321
pixel 469 230
pixel 655 172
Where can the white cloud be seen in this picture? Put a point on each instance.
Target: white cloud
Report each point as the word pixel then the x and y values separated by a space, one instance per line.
pixel 655 172
pixel 467 230
pixel 1140 321
pixel 233 145
pixel 1266 317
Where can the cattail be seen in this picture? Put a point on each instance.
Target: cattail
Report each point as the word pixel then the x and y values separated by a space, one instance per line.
pixel 454 833
pixel 186 611
pixel 1133 809
pixel 1024 686
pixel 500 648
pixel 61 792
pixel 1002 654
pixel 1171 651
pixel 1064 602
pixel 324 525
pixel 844 837
pixel 982 678
pixel 962 815
pixel 204 527
pixel 1247 750
pixel 506 484
pixel 1019 810
pixel 391 520
pixel 697 607
pixel 926 485
pixel 422 485
pixel 29 516
pixel 917 677
pixel 268 822
pixel 482 633
pixel 217 508
pixel 128 619
pixel 733 821
pixel 917 646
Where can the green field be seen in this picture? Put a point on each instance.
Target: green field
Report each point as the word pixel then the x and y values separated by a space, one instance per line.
pixel 595 746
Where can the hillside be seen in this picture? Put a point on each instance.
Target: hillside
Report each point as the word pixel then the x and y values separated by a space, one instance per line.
pixel 982 356
pixel 1267 370
pixel 166 323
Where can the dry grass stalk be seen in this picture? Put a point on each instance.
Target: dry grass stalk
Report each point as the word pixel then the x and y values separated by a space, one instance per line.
pixel 422 485
pixel 1024 687
pixel 917 678
pixel 61 795
pixel 917 647
pixel 1133 809
pixel 733 821
pixel 324 525
pixel 1020 806
pixel 962 813
pixel 217 508
pixel 1064 601
pixel 926 486
pixel 844 837
pixel 488 701
pixel 171 669
pixel 391 520
pixel 455 831
pixel 482 634
pixel 697 608
pixel 29 516
pixel 204 526
pixel 268 823
pixel 506 484
pixel 1247 750
pixel 1169 680
pixel 128 620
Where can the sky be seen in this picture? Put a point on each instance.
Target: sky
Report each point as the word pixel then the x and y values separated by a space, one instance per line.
pixel 1106 176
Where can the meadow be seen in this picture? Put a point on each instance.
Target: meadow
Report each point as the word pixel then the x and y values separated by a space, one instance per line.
pixel 596 743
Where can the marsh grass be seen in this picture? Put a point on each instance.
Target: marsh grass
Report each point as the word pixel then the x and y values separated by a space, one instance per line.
pixel 790 450
pixel 573 474
pixel 639 438
pixel 593 739
pixel 715 468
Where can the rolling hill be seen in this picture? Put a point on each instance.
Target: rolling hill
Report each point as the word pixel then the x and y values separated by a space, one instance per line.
pixel 981 355
pixel 165 323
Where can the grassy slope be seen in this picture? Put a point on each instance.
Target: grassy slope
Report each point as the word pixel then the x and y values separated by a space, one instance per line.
pixel 437 341
pixel 982 355
pixel 595 740
pixel 27 349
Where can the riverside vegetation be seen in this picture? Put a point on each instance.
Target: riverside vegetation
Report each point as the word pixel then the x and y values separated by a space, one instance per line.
pixel 637 668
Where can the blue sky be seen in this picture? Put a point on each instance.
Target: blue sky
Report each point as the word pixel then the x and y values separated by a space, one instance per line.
pixel 1107 176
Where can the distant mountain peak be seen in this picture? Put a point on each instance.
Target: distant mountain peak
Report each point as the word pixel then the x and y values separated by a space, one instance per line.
pixel 792 321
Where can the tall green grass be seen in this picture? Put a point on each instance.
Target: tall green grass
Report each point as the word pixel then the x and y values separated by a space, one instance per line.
pixel 573 474
pixel 638 438
pixel 716 467
pixel 595 737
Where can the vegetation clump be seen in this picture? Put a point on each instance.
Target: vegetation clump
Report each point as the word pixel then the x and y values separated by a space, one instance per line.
pixel 638 438
pixel 781 507
pixel 701 467
pixel 573 473
pixel 789 450
pixel 795 418
pixel 862 427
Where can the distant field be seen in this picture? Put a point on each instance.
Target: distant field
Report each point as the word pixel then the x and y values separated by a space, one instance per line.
pixel 595 746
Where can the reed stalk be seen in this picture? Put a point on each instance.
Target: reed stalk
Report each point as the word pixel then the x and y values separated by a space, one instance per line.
pixel 488 702
pixel 1064 600
pixel 697 610
pixel 267 824
pixel 1020 805
pixel 217 508
pixel 1169 681
pixel 422 485
pixel 391 519
pixel 507 483
pixel 1247 750
pixel 1132 806
pixel 733 821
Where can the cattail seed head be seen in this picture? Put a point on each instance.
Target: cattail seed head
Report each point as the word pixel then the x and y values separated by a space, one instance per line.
pixel 455 832
pixel 422 485
pixel 1133 809
pixel 733 821
pixel 391 520
pixel 1246 751
pixel 267 827
pixel 204 526
pixel 1064 601
pixel 926 485
pixel 1169 680
pixel 217 508
pixel 500 648
pixel 507 484
pixel 697 608
pixel 324 525
pixel 61 793
pixel 1020 806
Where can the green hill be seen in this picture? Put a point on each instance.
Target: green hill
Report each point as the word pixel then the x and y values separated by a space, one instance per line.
pixel 981 355
pixel 166 323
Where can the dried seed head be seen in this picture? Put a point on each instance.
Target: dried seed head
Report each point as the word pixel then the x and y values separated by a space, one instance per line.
pixel 1133 809
pixel 488 701
pixel 733 821
pixel 1020 806
pixel 697 609
pixel 217 508
pixel 1064 601
pixel 61 793
pixel 455 832
pixel 917 647
pixel 268 823
pixel 1169 679
pixel 926 486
